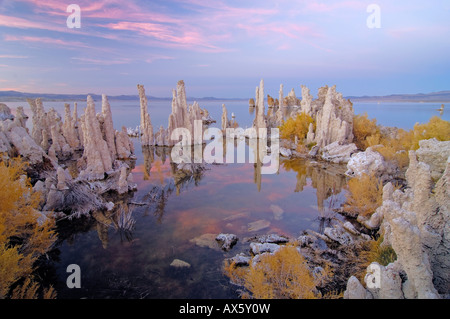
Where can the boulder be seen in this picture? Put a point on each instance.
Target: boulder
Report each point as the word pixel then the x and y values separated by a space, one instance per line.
pixel 258 248
pixel 387 281
pixel 368 162
pixel 227 240
pixel 241 260
pixel 355 290
pixel 338 234
pixel 338 153
pixel 285 152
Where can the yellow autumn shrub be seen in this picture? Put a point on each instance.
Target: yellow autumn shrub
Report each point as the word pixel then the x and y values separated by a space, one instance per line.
pixel 364 195
pixel 297 126
pixel 435 128
pixel 363 128
pixel 282 275
pixel 395 148
pixel 23 238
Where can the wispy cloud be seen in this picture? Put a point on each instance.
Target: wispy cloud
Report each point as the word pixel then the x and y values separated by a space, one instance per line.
pixel 83 60
pixel 153 58
pixel 46 41
pixel 12 56
pixel 29 23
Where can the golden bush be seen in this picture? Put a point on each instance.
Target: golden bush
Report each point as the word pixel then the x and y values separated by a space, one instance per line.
pixel 282 275
pixel 435 128
pixel 297 126
pixel 363 129
pixel 23 238
pixel 364 195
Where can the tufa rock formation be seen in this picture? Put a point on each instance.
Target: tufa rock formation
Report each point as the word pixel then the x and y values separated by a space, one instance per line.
pixel 260 121
pixel 415 222
pixel 146 124
pixel 334 120
pixel 182 116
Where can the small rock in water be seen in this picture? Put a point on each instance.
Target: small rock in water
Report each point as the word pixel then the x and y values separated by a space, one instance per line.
pixel 178 263
pixel 228 240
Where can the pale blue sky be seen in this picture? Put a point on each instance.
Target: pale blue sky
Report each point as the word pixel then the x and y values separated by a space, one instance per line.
pixel 223 48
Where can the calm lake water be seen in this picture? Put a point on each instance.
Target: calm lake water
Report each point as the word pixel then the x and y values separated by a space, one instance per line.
pixel 174 217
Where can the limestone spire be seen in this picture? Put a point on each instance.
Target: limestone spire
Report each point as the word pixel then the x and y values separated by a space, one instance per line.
pixel 146 124
pixel 260 109
pixel 224 118
pixel 108 127
pixel 96 152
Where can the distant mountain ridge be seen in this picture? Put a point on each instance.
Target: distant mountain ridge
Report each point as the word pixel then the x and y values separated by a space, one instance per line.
pixel 15 96
pixel 442 96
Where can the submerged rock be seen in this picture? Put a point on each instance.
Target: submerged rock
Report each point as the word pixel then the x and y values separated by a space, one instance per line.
pixel 258 225
pixel 178 263
pixel 206 240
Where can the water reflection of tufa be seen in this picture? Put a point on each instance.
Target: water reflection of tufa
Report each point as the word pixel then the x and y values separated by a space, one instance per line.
pixel 119 218
pixel 182 176
pixel 328 180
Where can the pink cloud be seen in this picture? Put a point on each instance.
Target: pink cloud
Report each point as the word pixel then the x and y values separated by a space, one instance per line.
pixel 14 22
pixel 166 35
pixel 45 40
pixel 10 56
pixel 101 61
pixel 320 7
